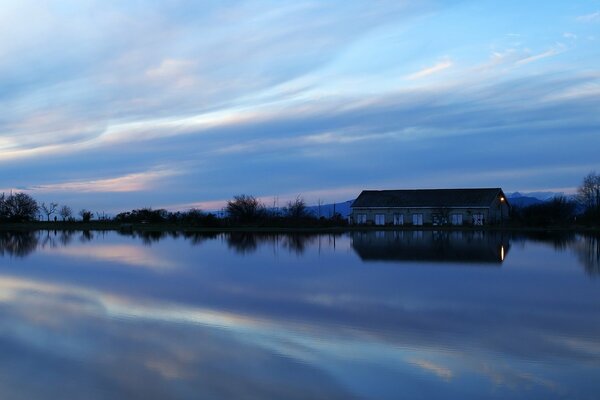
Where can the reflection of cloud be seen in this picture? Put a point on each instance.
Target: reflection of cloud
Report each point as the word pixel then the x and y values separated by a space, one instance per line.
pixel 52 331
pixel 439 370
pixel 120 254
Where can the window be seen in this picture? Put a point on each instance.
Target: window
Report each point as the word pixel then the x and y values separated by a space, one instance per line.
pixel 379 219
pixel 398 219
pixel 361 218
pixel 457 219
pixel 477 219
pixel 417 219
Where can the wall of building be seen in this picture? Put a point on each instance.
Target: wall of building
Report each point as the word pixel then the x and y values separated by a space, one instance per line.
pixel 431 216
pixel 499 211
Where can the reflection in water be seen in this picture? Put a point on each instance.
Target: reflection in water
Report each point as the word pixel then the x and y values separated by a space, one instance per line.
pixel 19 243
pixel 588 252
pixel 248 242
pixel 444 246
pixel 224 316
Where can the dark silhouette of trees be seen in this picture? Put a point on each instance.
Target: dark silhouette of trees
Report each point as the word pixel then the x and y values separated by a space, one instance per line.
pixel 296 209
pixel 65 212
pixel 245 209
pixel 588 195
pixel 86 215
pixel 48 209
pixel 18 207
pixel 558 211
pixel 143 215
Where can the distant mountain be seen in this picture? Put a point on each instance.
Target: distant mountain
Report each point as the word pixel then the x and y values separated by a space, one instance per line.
pixel 519 200
pixel 326 210
pixel 530 198
pixel 543 196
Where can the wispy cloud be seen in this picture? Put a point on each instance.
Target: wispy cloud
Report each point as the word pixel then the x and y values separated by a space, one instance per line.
pixel 549 53
pixel 439 370
pixel 593 17
pixel 425 72
pixel 134 182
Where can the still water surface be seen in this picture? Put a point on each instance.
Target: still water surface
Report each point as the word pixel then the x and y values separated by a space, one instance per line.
pixel 376 315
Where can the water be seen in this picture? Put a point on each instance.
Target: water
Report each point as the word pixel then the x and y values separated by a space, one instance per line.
pixel 378 315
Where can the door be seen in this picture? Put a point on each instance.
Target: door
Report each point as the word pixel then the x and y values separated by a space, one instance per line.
pixel 361 218
pixel 417 219
pixel 457 219
pixel 398 219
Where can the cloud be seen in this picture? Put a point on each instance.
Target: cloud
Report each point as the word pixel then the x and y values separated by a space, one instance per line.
pixel 134 182
pixel 425 72
pixel 441 371
pixel 549 53
pixel 593 17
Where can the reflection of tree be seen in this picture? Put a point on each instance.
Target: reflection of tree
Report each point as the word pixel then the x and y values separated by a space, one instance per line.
pixel 149 237
pixel 588 252
pixel 197 238
pixel 18 244
pixel 246 242
pixel 86 236
pixel 296 243
pixel 66 237
pixel 242 242
pixel 558 240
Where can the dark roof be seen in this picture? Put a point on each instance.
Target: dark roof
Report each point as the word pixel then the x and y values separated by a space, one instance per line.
pixel 428 198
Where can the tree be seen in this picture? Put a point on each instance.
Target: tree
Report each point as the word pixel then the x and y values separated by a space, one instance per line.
pixel 49 209
pixel 18 207
pixel 65 212
pixel 589 193
pixel 244 209
pixel 86 215
pixel 296 209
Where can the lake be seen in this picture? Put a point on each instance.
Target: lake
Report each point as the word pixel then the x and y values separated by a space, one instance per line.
pixel 367 315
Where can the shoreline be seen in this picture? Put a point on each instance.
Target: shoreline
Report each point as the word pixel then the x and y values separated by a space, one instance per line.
pixel 148 227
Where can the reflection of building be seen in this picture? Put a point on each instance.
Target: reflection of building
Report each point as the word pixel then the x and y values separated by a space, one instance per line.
pixel 430 207
pixel 442 246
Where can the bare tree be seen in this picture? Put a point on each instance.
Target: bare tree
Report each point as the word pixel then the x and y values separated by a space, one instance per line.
pixel 65 212
pixel 18 207
pixel 48 209
pixel 244 208
pixel 296 208
pixel 589 192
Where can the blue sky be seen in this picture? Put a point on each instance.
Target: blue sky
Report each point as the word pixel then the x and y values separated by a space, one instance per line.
pixel 115 105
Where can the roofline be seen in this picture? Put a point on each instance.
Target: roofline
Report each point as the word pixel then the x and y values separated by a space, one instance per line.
pixel 484 207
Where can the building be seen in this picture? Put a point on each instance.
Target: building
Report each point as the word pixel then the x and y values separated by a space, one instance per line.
pixel 430 207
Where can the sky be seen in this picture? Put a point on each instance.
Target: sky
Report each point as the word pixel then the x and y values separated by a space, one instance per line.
pixel 111 105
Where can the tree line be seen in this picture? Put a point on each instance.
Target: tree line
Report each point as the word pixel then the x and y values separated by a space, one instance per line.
pixel 21 207
pixel 583 209
pixel 242 210
pixel 247 210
